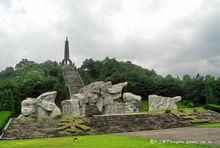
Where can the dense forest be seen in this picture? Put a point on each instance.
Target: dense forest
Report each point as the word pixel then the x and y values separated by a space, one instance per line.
pixel 30 79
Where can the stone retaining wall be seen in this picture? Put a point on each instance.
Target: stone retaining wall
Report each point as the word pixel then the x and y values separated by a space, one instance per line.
pixel 48 127
pixel 137 122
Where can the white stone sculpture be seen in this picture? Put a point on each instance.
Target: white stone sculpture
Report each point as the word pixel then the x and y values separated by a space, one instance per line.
pixel 132 102
pixel 114 108
pixel 75 105
pixel 95 97
pixel 162 103
pixel 28 107
pixel 46 105
pixel 98 98
pixel 70 106
pixel 42 106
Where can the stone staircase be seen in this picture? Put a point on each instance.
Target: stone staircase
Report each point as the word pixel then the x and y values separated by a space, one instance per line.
pixel 73 79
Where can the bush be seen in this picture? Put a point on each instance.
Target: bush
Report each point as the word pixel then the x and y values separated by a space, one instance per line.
pixel 168 111
pixel 212 107
pixel 190 104
pixel 181 110
pixel 5 115
pixel 143 106
pixel 195 110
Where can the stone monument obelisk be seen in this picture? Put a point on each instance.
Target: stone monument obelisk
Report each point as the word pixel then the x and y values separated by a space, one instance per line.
pixel 66 53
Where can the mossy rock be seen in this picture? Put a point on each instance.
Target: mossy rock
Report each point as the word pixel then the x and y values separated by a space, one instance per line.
pixel 73 124
pixel 191 118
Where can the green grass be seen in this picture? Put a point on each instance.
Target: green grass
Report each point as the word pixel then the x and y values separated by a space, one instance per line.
pixel 94 141
pixel 213 125
pixel 181 105
pixel 4 116
pixel 143 106
pixel 175 111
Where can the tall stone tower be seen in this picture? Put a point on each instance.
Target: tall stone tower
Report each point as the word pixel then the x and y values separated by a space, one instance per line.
pixel 72 77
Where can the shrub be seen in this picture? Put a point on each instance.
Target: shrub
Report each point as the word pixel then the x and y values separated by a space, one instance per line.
pixel 212 107
pixel 73 124
pixel 195 110
pixel 4 116
pixel 168 111
pixel 190 104
pixel 181 110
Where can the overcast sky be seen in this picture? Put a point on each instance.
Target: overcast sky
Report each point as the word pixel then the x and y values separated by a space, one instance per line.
pixel 170 36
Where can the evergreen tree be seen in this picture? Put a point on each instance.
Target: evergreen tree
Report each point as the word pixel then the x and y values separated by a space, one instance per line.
pixel 1 101
pixel 11 101
pixel 4 100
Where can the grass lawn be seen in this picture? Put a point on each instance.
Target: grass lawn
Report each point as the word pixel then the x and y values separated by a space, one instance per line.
pixel 92 141
pixel 175 111
pixel 4 116
pixel 214 125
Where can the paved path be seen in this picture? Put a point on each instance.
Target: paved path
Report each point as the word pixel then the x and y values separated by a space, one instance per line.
pixel 209 136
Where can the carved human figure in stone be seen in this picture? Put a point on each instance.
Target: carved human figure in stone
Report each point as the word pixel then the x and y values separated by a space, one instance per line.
pixel 93 98
pixel 162 103
pixel 132 102
pixel 99 94
pixel 114 92
pixel 93 94
pixel 98 98
pixel 28 107
pixel 46 105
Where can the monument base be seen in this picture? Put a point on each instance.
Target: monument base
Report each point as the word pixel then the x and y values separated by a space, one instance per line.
pixel 49 127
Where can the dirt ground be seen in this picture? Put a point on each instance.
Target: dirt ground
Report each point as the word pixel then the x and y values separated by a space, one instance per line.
pixel 210 136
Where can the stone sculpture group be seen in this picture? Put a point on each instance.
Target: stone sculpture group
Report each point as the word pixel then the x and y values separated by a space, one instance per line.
pixel 94 99
pixel 98 98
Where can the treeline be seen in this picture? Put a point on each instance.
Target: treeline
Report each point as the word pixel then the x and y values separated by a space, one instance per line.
pixel 194 89
pixel 7 101
pixel 30 79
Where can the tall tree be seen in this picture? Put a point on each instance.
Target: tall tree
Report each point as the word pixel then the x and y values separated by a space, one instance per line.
pixel 1 101
pixel 209 86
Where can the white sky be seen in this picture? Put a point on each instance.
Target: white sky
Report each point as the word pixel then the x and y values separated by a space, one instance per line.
pixel 170 36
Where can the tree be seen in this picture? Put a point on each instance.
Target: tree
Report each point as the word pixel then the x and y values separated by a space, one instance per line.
pixel 1 101
pixel 31 79
pixel 9 71
pixel 209 87
pixel 169 86
pixel 216 90
pixel 11 101
pixel 24 64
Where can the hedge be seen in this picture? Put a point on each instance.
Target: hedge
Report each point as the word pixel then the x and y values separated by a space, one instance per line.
pixel 4 117
pixel 213 107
